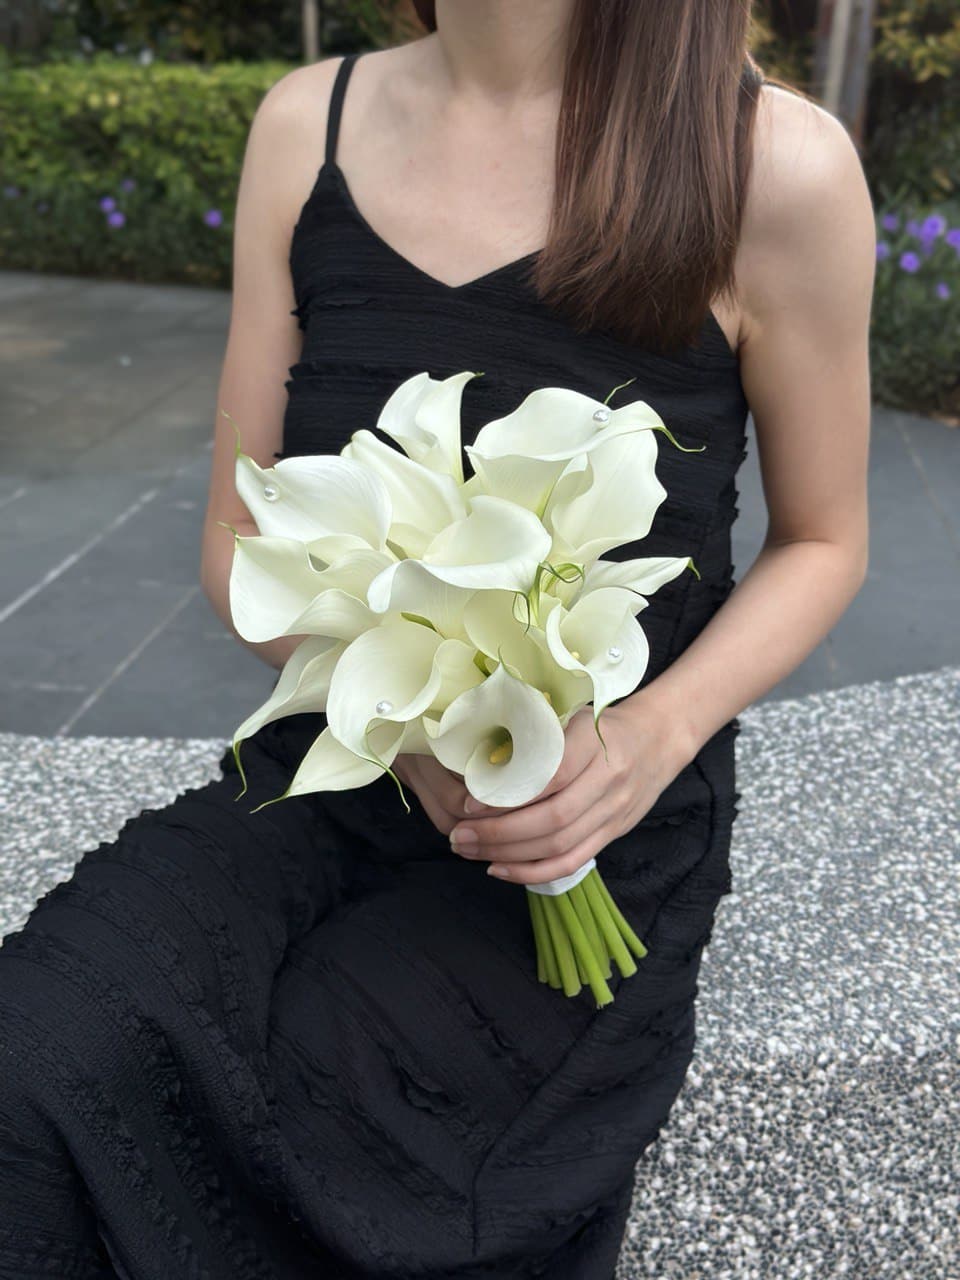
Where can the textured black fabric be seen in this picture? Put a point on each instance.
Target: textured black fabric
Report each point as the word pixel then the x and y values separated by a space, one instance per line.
pixel 310 1041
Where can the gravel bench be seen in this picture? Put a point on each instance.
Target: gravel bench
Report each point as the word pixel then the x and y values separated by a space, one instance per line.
pixel 817 1131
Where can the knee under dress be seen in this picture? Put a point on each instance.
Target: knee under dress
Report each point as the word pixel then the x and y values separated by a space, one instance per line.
pixel 310 1041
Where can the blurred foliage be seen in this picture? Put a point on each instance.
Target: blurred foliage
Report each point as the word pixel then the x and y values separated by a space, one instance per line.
pixel 201 30
pixel 75 133
pixel 126 164
pixel 915 325
pixel 917 42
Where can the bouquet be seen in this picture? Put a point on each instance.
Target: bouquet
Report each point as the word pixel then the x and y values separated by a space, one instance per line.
pixel 468 618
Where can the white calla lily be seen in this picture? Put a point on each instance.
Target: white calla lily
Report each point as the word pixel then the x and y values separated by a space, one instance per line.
pixel 644 575
pixel 316 496
pixel 330 766
pixel 423 501
pixel 496 545
pixel 522 455
pixel 619 504
pixel 272 580
pixel 498 625
pixel 600 636
pixel 276 590
pixel 389 674
pixel 302 686
pixel 423 416
pixel 503 736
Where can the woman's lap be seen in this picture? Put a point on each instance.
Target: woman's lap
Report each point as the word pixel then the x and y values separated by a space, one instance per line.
pixel 254 1027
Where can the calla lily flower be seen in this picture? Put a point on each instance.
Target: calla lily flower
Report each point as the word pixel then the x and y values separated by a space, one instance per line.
pixel 316 497
pixel 503 736
pixel 330 766
pixel 423 501
pixel 423 416
pixel 499 625
pixel 497 544
pixel 393 673
pixel 522 455
pixel 276 590
pixel 600 636
pixel 302 687
pixel 645 575
pixel 619 504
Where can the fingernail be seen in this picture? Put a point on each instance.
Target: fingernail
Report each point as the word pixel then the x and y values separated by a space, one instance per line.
pixel 470 805
pixel 502 872
pixel 462 838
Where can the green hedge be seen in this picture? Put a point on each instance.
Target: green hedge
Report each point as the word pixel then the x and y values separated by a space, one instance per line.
pixel 164 143
pixel 120 170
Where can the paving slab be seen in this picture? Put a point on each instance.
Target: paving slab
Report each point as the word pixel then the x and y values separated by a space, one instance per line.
pixel 107 401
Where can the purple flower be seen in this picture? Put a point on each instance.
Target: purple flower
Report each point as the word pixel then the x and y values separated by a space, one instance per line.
pixel 934 226
pixel 914 228
pixel 127 184
pixel 953 238
pixel 942 290
pixel 11 192
pixel 909 261
pixel 890 222
pixel 213 217
pixel 883 250
pixel 116 219
pixel 108 203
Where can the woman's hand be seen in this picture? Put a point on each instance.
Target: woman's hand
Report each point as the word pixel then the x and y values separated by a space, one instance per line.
pixel 441 792
pixel 589 801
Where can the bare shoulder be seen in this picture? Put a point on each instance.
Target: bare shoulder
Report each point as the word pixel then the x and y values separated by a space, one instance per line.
pixel 808 223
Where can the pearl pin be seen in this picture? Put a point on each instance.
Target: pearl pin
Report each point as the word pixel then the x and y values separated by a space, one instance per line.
pixel 614 653
pixel 270 492
pixel 383 707
pixel 602 415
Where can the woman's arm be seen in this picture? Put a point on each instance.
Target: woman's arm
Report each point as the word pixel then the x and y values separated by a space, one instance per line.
pixel 805 271
pixel 807 283
pixel 282 155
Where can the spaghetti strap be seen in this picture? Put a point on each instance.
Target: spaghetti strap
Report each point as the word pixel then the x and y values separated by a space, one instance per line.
pixel 336 106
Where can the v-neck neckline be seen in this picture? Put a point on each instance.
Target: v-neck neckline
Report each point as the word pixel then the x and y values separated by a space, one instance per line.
pixel 331 167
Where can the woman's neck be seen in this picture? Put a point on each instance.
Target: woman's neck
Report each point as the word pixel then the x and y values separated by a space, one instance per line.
pixel 502 49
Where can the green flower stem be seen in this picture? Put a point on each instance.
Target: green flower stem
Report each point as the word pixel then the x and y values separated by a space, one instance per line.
pixel 631 939
pixel 590 927
pixel 601 911
pixel 539 930
pixel 583 950
pixel 561 945
pixel 535 922
pixel 545 949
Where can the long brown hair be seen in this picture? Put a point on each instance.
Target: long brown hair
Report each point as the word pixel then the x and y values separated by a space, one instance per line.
pixel 654 142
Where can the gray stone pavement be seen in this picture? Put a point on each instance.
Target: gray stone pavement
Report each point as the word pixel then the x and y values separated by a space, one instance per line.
pixel 107 397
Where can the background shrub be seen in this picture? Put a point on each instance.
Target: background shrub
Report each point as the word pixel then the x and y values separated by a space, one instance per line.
pixel 915 327
pixel 116 169
pixel 125 164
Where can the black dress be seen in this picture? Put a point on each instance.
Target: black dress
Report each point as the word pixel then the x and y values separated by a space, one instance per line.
pixel 310 1042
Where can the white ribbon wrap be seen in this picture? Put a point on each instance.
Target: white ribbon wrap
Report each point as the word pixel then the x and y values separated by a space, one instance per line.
pixel 555 887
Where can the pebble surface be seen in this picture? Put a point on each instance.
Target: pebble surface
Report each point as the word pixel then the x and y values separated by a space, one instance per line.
pixel 817 1133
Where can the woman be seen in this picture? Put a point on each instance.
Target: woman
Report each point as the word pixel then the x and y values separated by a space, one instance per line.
pixel 309 1040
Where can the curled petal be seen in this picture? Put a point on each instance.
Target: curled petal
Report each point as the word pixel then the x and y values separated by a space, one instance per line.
pixel 301 687
pixel 387 673
pixel 619 505
pixel 498 545
pixel 504 738
pixel 600 636
pixel 423 501
pixel 423 416
pixel 316 496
